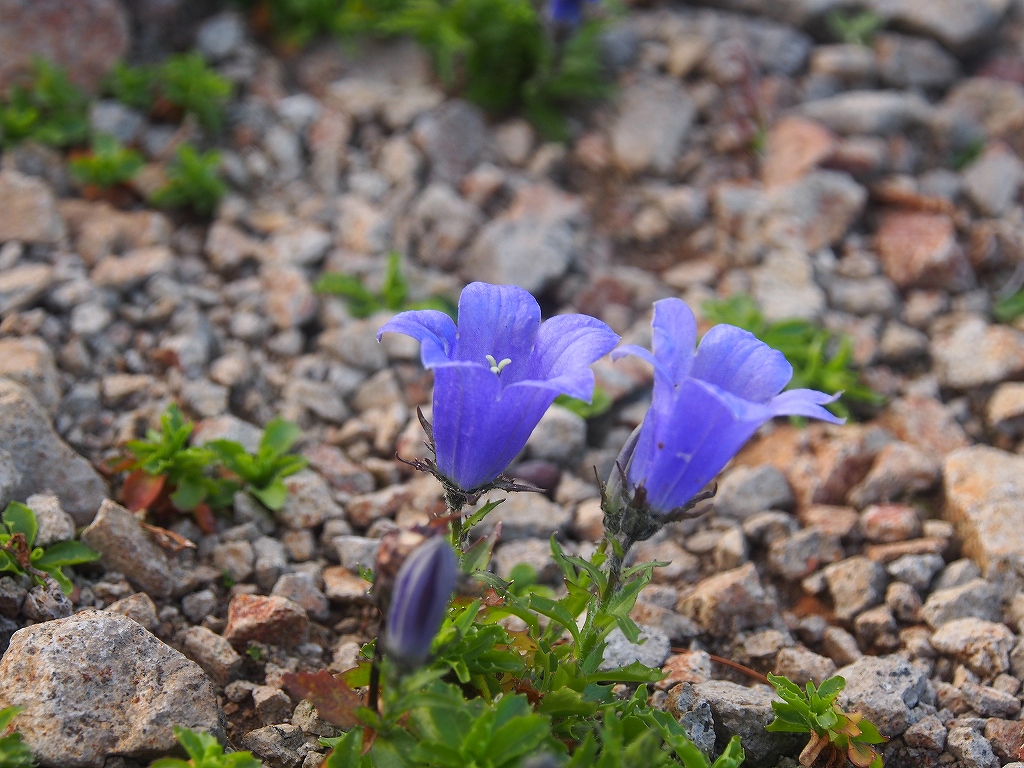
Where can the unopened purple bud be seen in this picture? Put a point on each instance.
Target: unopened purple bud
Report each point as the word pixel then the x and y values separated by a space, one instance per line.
pixel 419 601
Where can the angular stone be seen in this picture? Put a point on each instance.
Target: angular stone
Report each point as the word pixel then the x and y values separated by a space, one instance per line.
pixel 795 146
pixel 213 653
pixel 524 516
pixel 885 689
pixel 276 744
pixel 272 704
pixel 745 491
pixel 729 602
pixel 887 523
pixel 29 361
pixel 994 179
pixel 899 470
pixel 301 589
pixel 54 523
pixel 959 25
pixel 820 207
pixel 20 287
pixel 977 598
pixel 973 353
pixel 30 210
pixel 85 37
pixel 744 712
pixel 140 608
pixel 273 620
pixel 308 503
pixel 532 243
pixel 452 137
pixel 652 651
pixel 346 588
pixel 801 665
pixel 970 748
pixel 984 490
pixel 654 119
pixel 925 423
pixel 803 553
pixel 856 584
pixel 125 547
pixel 868 112
pixel 988 701
pixel 920 250
pixel 133 268
pixel 101 667
pixel 1006 738
pixel 984 646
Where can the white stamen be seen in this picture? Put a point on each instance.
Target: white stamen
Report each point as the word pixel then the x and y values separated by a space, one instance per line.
pixel 497 367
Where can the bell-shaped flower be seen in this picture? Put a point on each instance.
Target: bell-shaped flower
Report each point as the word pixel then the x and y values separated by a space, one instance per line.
pixel 496 373
pixel 706 405
pixel 567 12
pixel 419 601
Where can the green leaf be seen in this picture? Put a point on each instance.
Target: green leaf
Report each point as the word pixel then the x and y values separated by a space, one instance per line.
pixel 346 750
pixel 189 494
pixel 394 289
pixel 65 553
pixel 732 757
pixel 7 714
pixel 273 496
pixel 279 436
pixel 599 404
pixel 21 519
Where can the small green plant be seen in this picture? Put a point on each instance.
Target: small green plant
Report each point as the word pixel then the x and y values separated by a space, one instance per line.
pixel 263 471
pixel 599 404
pixel 205 752
pixel 19 555
pixel 108 165
pixel 855 28
pixel 836 735
pixel 1009 308
pixel 132 86
pixel 975 148
pixel 821 360
pixel 14 753
pixel 193 181
pixel 393 295
pixel 187 82
pixel 49 108
pixel 255 652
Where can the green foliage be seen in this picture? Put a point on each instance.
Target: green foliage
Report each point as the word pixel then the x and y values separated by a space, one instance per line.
pixel 187 82
pixel 975 148
pixel 814 710
pixel 855 28
pixel 598 405
pixel 109 164
pixel 132 86
pixel 393 295
pixel 263 472
pixel 49 109
pixel 193 181
pixel 497 53
pixel 821 360
pixel 1009 308
pixel 19 555
pixel 14 753
pixel 205 752
pixel 211 474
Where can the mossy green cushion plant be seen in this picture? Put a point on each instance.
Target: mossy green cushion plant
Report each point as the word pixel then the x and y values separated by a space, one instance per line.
pixel 19 555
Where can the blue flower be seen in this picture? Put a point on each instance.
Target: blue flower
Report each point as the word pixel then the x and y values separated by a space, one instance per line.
pixel 705 405
pixel 423 588
pixel 496 374
pixel 568 12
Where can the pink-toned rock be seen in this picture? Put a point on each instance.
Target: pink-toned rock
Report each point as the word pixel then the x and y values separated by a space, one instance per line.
pixel 830 519
pixel 968 352
pixel 900 469
pixel 344 587
pixel 920 250
pixel 272 620
pixel 686 667
pixel 888 523
pixel 924 422
pixel 85 37
pixel 729 602
pixel 28 205
pixel 795 146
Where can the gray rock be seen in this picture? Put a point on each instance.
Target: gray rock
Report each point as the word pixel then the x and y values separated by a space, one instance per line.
pixel 927 733
pixel 913 62
pixel 971 748
pixel 30 210
pixel 652 650
pixel 694 714
pixel 102 667
pixel 220 36
pixel 535 553
pixel 139 608
pixel 970 353
pixel 901 469
pixel 213 653
pixel 956 574
pixel 43 459
pixel 125 547
pixel 744 712
pixel 29 361
pixel 301 588
pixel 356 551
pixel 856 584
pixel 869 112
pixel 234 558
pixel 729 602
pixel 54 523
pixel 885 689
pixel 745 491
pixel 916 570
pixel 276 744
pixel 531 244
pixel 560 437
pixel 654 119
pixel 272 704
pixel 977 598
pixel 988 701
pixel 784 284
pixel 46 602
pixel 20 287
pixel 452 137
pixel 801 665
pixel 111 117
pixel 524 516
pixel 984 646
pixel 803 553
pixel 12 595
pixel 993 180
pixel 309 501
pixel 198 605
pixel 271 561
pixel 10 478
pixel 957 24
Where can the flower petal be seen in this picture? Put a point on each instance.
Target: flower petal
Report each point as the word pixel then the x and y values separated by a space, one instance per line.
pixel 434 330
pixel 738 362
pixel 681 448
pixel 497 320
pixel 805 402
pixel 479 428
pixel 569 342
pixel 674 337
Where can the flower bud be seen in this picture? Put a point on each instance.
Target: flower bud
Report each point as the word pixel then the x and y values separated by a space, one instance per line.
pixel 422 590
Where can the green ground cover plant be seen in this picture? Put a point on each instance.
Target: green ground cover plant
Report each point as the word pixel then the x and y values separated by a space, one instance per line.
pixel 393 294
pixel 45 107
pixel 14 753
pixel 107 165
pixel 193 181
pixel 20 556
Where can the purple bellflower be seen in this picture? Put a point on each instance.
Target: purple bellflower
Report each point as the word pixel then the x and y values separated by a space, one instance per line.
pixel 419 600
pixel 567 12
pixel 706 405
pixel 495 374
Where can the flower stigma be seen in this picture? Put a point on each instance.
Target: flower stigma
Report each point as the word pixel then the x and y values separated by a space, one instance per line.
pixel 497 367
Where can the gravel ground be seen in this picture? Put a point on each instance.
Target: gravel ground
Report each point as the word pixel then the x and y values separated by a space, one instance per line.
pixel 890 549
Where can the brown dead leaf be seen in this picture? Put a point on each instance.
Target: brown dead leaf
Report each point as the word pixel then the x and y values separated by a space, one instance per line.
pixel 335 702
